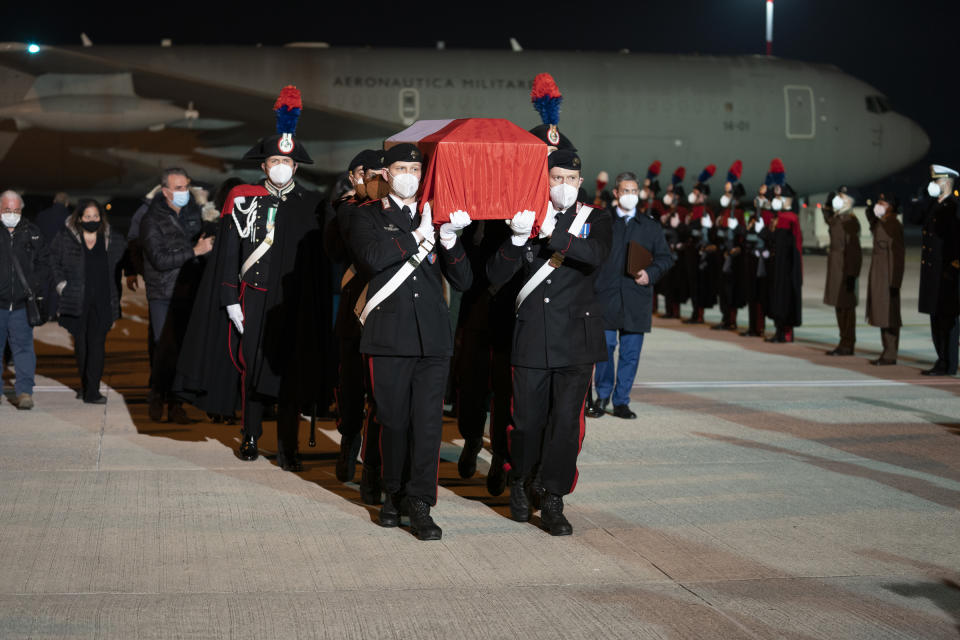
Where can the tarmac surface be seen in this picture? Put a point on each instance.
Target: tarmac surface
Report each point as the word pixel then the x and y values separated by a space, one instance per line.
pixel 766 491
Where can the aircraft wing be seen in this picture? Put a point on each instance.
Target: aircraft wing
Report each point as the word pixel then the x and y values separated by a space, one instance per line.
pixel 210 99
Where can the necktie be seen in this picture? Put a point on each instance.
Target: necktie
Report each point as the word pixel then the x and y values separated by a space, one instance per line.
pixel 407 211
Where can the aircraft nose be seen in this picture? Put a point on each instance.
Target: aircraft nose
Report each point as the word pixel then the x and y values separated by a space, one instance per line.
pixel 918 141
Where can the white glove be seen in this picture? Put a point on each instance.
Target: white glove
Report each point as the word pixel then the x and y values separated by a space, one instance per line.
pixel 765 254
pixel 675 220
pixel 236 316
pixel 448 230
pixel 732 223
pixel 521 225
pixel 60 287
pixel 426 224
pixel 758 227
pixel 706 222
pixel 549 222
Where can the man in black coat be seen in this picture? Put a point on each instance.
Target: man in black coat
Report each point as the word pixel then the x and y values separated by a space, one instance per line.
pixel 50 221
pixel 627 298
pixel 406 332
pixel 939 268
pixel 557 339
pixel 170 234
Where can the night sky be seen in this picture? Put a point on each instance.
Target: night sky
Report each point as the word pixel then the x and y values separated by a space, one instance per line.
pixel 907 50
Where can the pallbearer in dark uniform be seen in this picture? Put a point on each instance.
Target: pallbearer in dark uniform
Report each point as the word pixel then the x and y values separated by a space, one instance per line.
pixel 844 260
pixel 886 276
pixel 353 383
pixel 699 254
pixel 271 279
pixel 406 334
pixel 757 258
pixel 672 215
pixel 728 235
pixel 785 278
pixel 557 339
pixel 939 268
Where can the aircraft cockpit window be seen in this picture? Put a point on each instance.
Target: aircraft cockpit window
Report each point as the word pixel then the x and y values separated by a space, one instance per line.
pixel 878 104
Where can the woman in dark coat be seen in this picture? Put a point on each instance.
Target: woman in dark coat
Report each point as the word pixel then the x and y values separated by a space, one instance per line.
pixel 84 256
pixel 886 276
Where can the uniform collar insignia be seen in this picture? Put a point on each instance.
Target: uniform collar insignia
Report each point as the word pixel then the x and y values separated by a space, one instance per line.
pixel 274 191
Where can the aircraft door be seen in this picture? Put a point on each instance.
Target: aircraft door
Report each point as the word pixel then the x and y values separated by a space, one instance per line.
pixel 800 122
pixel 409 105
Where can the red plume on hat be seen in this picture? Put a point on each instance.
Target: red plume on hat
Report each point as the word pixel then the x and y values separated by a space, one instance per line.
pixel 288 107
pixel 678 175
pixel 653 170
pixel 776 174
pixel 733 174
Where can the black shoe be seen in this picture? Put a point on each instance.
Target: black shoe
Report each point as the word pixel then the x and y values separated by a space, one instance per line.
pixel 597 408
pixel 467 464
pixel 347 460
pixel 623 411
pixel 723 326
pixel 775 338
pixel 80 395
pixel 881 361
pixel 176 414
pixel 933 372
pixel 390 511
pixel 496 477
pixel 693 320
pixel 156 407
pixel 370 492
pixel 519 501
pixel 421 524
pixel 100 399
pixel 840 351
pixel 248 449
pixel 290 462
pixel 751 334
pixel 536 492
pixel 552 516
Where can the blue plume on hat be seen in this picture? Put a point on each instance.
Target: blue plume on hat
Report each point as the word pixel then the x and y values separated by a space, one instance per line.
pixel 707 173
pixel 546 98
pixel 288 107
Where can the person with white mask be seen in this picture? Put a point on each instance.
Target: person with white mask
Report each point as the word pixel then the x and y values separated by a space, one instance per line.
pixel 844 260
pixel 24 267
pixel 557 339
pixel 940 267
pixel 886 275
pixel 407 336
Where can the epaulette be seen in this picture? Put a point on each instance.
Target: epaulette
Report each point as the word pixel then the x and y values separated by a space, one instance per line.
pixel 242 191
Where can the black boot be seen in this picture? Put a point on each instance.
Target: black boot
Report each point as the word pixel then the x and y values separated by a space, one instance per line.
pixel 248 448
pixel 370 492
pixel 390 511
pixel 536 492
pixel 497 477
pixel 467 465
pixel 347 460
pixel 552 515
pixel 421 524
pixel 519 500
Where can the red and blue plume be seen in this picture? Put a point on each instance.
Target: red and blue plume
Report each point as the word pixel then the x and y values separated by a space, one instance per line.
pixel 678 175
pixel 707 173
pixel 546 98
pixel 287 107
pixel 653 170
pixel 777 174
pixel 733 174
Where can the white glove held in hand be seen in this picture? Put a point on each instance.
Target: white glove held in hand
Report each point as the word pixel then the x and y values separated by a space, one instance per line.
pixel 521 225
pixel 448 230
pixel 60 287
pixel 706 222
pixel 426 224
pixel 732 223
pixel 549 222
pixel 758 227
pixel 236 316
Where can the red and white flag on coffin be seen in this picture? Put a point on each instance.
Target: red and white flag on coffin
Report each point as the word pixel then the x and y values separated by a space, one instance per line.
pixel 488 167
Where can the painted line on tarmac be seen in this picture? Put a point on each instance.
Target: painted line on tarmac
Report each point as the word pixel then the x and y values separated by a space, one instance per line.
pixel 740 384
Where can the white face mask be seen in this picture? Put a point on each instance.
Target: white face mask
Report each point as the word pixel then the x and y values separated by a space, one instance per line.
pixel 879 209
pixel 777 204
pixel 405 185
pixel 10 220
pixel 668 199
pixel 629 201
pixel 933 189
pixel 280 174
pixel 692 198
pixel 837 203
pixel 724 200
pixel 563 196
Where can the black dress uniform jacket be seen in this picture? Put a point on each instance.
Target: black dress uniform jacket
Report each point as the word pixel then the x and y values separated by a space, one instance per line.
pixel 560 323
pixel 938 258
pixel 415 319
pixel 627 305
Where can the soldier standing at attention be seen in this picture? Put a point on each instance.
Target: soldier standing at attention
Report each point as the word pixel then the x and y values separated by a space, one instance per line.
pixel 407 336
pixel 886 276
pixel 557 339
pixel 844 260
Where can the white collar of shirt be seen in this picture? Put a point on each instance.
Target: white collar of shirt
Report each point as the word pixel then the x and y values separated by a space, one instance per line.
pixel 400 205
pixel 626 214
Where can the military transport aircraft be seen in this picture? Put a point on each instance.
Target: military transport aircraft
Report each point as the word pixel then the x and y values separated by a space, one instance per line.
pixel 105 118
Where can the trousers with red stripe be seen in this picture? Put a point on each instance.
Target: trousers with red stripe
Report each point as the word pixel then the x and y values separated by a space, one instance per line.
pixel 548 424
pixel 408 394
